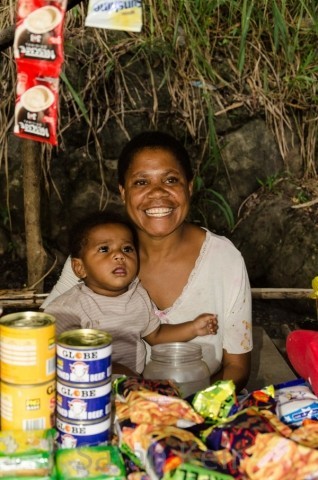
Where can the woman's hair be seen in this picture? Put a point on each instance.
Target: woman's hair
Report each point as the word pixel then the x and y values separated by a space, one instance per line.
pixel 80 231
pixel 153 139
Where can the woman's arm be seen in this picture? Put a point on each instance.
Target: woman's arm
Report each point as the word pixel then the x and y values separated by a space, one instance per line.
pixel 235 367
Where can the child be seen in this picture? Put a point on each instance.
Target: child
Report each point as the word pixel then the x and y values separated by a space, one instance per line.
pixel 110 296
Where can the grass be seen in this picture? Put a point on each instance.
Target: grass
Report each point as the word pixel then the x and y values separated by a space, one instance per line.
pixel 218 57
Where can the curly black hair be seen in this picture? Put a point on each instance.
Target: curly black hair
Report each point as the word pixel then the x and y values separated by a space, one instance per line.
pixel 79 232
pixel 153 139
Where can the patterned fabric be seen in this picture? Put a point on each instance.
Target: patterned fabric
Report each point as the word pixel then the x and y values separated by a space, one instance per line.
pixel 128 318
pixel 218 284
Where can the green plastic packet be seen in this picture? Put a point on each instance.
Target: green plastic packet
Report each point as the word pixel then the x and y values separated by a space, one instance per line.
pixel 92 463
pixel 187 471
pixel 215 402
pixel 28 454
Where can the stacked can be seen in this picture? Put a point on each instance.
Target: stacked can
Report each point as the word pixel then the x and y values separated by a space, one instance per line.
pixel 27 371
pixel 83 401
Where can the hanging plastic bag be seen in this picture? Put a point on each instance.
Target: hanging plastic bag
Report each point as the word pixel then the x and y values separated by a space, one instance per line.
pixel 115 15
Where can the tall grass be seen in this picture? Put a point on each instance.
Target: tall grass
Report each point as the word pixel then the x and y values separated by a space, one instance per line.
pixel 219 57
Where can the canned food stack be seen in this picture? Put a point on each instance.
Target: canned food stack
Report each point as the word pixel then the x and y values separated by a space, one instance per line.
pixel 83 410
pixel 27 371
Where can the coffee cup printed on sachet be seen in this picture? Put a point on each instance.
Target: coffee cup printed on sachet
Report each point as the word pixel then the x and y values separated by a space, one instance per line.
pixel 36 110
pixel 38 35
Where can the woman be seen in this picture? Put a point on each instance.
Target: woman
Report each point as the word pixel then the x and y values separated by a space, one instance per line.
pixel 186 269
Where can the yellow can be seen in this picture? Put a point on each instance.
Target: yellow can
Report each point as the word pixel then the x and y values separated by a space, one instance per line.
pixel 27 407
pixel 27 348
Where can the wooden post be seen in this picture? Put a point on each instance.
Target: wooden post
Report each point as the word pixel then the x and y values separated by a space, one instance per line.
pixel 36 255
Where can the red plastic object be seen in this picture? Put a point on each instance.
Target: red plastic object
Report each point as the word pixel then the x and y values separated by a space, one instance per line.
pixel 302 352
pixel 312 364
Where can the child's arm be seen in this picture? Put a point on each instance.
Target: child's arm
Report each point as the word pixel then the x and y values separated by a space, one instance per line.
pixel 204 324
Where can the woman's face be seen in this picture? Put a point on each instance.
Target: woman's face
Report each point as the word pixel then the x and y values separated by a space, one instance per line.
pixel 156 192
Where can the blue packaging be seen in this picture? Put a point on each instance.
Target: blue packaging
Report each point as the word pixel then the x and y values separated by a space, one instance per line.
pixel 84 356
pixel 83 402
pixel 75 433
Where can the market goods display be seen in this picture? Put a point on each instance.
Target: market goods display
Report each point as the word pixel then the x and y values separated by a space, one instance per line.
pixel 83 388
pixel 135 428
pixel 220 446
pixel 28 365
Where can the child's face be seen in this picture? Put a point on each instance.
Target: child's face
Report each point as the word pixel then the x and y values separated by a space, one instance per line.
pixel 109 260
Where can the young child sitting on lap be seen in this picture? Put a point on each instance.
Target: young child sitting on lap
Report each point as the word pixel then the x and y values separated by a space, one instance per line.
pixel 110 297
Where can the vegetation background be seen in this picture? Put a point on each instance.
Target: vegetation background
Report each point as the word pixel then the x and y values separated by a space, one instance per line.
pixel 197 67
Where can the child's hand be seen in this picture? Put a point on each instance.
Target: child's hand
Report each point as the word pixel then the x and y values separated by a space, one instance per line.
pixel 206 324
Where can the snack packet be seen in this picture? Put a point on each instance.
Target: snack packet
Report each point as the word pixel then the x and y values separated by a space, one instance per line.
pixel 152 408
pixel 262 399
pixel 188 471
pixel 237 434
pixel 160 448
pixel 295 402
pixel 26 453
pixel 134 467
pixel 217 401
pixel 39 31
pixel 279 458
pixel 115 15
pixel 93 463
pixel 306 434
pixel 122 386
pixel 36 104
pixel 169 454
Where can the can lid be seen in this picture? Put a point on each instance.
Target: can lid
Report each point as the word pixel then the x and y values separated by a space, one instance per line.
pixel 84 338
pixel 28 320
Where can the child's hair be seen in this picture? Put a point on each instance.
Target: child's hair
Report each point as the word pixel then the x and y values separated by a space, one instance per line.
pixel 153 139
pixel 79 232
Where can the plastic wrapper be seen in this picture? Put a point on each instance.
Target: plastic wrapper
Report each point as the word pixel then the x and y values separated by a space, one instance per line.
pixel 93 463
pixel 159 448
pixel 170 454
pixel 38 52
pixel 26 453
pixel 295 402
pixel 164 449
pixel 240 432
pixel 36 104
pixel 189 472
pixel 135 470
pixel 277 458
pixel 217 401
pixel 39 31
pixel 306 434
pixel 139 437
pixel 122 386
pixel 261 399
pixel 123 15
pixel 152 408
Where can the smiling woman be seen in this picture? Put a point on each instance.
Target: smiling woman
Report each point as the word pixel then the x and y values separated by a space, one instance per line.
pixel 110 297
pixel 187 271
